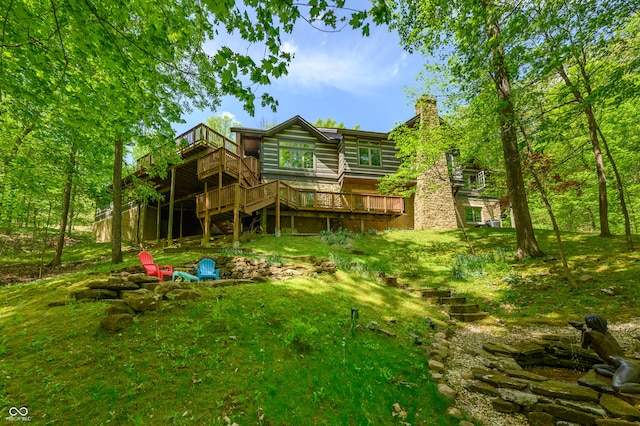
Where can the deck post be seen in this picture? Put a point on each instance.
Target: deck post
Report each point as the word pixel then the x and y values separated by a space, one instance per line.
pixel 278 232
pixel 236 216
pixel 292 223
pixel 206 222
pixel 263 220
pixel 142 219
pixel 172 196
pixel 328 224
pixel 362 225
pixel 158 220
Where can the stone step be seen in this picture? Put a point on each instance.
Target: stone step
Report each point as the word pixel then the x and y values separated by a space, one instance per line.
pixel 471 317
pixel 451 300
pixel 434 293
pixel 469 308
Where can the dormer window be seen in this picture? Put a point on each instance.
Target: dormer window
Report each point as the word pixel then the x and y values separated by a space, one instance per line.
pixel 369 154
pixel 475 181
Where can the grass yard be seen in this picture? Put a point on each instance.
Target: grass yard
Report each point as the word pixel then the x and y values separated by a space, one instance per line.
pixel 286 352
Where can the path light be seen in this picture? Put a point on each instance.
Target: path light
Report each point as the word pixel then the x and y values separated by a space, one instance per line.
pixel 354 314
pixel 431 323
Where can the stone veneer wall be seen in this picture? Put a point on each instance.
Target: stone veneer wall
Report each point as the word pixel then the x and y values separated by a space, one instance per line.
pixel 434 204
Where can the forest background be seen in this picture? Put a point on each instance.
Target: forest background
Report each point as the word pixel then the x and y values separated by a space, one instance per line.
pixel 543 94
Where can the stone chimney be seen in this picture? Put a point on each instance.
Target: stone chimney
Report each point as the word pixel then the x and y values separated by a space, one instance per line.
pixel 434 203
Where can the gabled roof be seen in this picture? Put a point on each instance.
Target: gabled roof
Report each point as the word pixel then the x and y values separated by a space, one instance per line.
pixel 295 120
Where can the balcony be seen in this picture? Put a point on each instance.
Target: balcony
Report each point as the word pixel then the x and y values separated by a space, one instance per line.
pixel 221 200
pixel 246 170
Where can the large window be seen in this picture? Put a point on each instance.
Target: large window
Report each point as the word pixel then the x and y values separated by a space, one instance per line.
pixel 473 214
pixel 369 154
pixel 296 155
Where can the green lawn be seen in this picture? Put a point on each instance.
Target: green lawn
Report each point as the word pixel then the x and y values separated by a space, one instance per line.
pixel 286 352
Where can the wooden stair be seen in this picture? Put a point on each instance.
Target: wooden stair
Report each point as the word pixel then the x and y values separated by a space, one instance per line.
pixel 456 306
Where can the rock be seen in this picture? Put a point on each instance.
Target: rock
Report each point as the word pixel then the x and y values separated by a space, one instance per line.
pixel 455 412
pixel 483 388
pixel 525 399
pixel 120 283
pixel 141 300
pixel 446 391
pixel 563 390
pixel 569 414
pixel 97 293
pixel 465 423
pixel 499 348
pixel 164 288
pixel 585 278
pixel 583 407
pixel 97 283
pixel 436 365
pixel 526 375
pixel 619 408
pixel 116 322
pixel 142 278
pixel 503 406
pixel 183 294
pixel 119 307
pixel 149 286
pixel 499 380
pixel 614 422
pixel 537 418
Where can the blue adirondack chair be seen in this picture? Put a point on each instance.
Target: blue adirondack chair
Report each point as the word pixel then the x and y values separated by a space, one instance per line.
pixel 207 269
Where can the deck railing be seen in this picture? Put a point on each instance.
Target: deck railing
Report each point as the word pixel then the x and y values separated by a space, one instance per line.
pixel 265 194
pixel 205 134
pixel 224 160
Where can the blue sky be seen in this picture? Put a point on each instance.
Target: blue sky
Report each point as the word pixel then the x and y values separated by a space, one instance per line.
pixel 344 76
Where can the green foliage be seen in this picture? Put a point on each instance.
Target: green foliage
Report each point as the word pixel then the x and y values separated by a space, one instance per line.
pixel 473 266
pixel 342 238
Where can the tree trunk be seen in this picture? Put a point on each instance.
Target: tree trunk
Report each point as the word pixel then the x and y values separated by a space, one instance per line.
pixel 597 152
pixel 620 187
pixel 9 158
pixel 552 216
pixel 461 222
pixel 116 219
pixel 66 202
pixel 527 246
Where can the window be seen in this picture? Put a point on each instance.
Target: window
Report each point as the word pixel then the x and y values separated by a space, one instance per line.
pixel 476 181
pixel 369 154
pixel 473 214
pixel 296 155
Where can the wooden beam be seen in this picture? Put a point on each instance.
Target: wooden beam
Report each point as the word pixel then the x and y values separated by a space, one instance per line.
pixel 278 230
pixel 171 205
pixel 236 216
pixel 158 222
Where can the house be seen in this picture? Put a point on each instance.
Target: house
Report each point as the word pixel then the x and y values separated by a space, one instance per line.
pixel 294 178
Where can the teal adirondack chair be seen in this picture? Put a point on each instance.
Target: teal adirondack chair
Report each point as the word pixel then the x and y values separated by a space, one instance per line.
pixel 207 269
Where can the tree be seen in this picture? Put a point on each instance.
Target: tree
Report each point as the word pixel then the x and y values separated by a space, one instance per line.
pixel 223 124
pixel 136 66
pixel 329 123
pixel 478 49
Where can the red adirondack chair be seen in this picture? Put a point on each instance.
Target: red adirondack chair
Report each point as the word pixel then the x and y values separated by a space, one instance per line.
pixel 153 269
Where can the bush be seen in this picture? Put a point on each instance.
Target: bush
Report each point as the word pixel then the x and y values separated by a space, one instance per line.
pixel 341 238
pixel 470 266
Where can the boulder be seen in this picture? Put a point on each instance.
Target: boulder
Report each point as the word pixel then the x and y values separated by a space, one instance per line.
pixel 97 283
pixel 563 390
pixel 142 278
pixel 525 399
pixel 95 293
pixel 446 391
pixel 164 288
pixel 619 408
pixel 569 414
pixel 537 418
pixel 120 283
pixel 116 322
pixel 141 300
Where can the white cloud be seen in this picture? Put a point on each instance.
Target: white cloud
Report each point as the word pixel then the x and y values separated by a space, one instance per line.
pixel 227 114
pixel 355 68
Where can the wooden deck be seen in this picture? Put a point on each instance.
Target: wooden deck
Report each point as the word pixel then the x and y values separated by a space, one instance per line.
pixel 249 200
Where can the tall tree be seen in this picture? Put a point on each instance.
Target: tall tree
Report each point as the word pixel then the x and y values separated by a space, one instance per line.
pixel 477 48
pixel 136 66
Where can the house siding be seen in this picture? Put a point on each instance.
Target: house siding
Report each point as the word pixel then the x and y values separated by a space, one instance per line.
pixel 325 158
pixel 352 167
